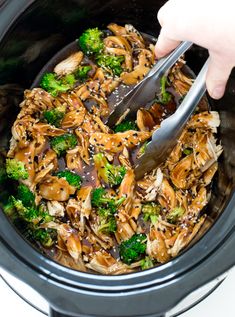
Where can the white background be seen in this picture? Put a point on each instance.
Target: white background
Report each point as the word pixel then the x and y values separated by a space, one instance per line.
pixel 221 303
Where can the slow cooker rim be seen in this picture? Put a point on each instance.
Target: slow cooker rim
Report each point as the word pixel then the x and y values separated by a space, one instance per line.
pixel 15 10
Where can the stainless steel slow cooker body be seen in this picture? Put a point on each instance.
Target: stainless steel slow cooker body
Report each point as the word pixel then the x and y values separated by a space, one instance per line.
pixel 31 32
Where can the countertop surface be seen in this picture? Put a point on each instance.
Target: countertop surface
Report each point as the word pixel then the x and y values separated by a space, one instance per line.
pixel 219 303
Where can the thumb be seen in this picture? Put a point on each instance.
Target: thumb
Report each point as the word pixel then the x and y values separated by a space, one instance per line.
pixel 217 76
pixel 164 45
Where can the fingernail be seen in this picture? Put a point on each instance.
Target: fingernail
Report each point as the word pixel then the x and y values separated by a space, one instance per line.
pixel 217 92
pixel 158 53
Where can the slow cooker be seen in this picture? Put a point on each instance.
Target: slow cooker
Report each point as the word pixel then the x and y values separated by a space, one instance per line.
pixel 31 32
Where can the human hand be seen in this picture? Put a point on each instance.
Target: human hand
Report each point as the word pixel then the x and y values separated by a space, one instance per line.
pixel 210 24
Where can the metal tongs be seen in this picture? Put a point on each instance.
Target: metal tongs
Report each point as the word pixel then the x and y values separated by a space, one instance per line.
pixel 165 138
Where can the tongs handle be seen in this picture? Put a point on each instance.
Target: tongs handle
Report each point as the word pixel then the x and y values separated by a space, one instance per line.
pixel 145 90
pixel 165 63
pixel 165 138
pixel 191 100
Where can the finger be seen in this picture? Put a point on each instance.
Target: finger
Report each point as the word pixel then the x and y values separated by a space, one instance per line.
pixel 164 45
pixel 217 76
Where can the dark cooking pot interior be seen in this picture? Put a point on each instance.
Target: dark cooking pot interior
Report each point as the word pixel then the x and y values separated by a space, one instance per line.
pixel 47 27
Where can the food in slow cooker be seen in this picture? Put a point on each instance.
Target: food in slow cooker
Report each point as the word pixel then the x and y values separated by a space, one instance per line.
pixel 69 182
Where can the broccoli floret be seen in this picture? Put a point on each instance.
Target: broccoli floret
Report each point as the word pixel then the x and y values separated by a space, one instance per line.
pixel 146 263
pixel 151 212
pixel 33 214
pixel 16 169
pixel 34 233
pixel 107 207
pixel 68 80
pixel 111 174
pixel 72 178
pixel 108 225
pixel 54 117
pixel 44 236
pixel 54 85
pixel 82 72
pixel 3 175
pixel 175 214
pixel 112 62
pixel 9 207
pixel 25 195
pixel 100 199
pixel 164 96
pixel 143 148
pixel 131 250
pixel 28 214
pixel 91 41
pixel 188 151
pixel 125 126
pixel 61 144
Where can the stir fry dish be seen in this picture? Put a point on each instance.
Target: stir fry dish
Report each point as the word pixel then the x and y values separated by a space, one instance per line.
pixel 68 179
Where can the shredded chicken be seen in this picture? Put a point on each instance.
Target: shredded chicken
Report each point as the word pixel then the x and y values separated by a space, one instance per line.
pixel 91 210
